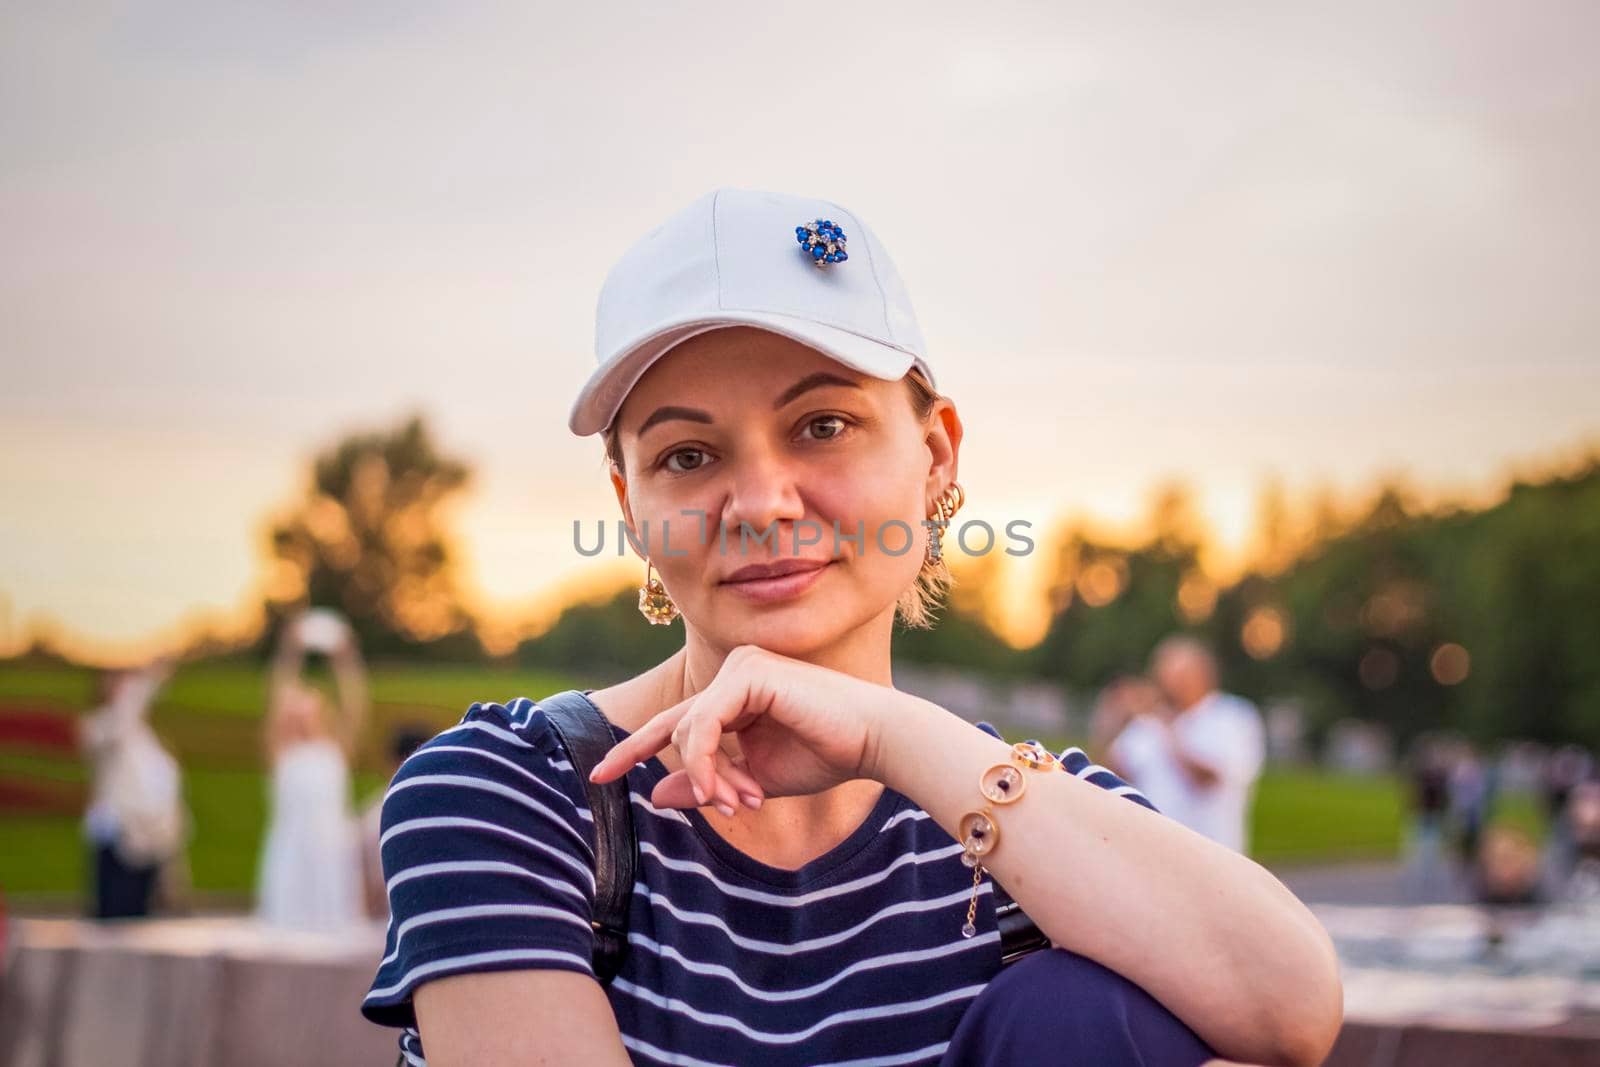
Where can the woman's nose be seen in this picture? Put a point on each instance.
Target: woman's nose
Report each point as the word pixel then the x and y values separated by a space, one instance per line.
pixel 764 491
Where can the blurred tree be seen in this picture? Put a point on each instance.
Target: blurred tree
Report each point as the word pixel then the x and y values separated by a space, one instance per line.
pixel 368 540
pixel 1481 620
pixel 1527 574
pixel 1484 620
pixel 1359 622
pixel 1112 604
pixel 610 638
pixel 964 636
pixel 1272 541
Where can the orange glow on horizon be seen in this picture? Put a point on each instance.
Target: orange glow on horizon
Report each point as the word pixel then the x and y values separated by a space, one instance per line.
pixel 1015 602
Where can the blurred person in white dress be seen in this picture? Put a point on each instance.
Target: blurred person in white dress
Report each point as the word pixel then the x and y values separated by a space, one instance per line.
pixel 1197 752
pixel 310 869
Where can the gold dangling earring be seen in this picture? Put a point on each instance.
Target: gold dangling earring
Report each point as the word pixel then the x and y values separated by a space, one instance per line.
pixel 654 601
pixel 946 506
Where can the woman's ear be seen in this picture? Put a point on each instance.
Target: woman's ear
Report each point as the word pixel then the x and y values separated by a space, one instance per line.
pixel 619 483
pixel 944 446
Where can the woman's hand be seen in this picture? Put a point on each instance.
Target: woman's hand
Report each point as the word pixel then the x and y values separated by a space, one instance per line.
pixel 801 728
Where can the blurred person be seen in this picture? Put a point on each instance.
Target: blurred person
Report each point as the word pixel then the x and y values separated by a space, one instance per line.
pixel 1507 868
pixel 1470 798
pixel 1583 816
pixel 309 874
pixel 1506 883
pixel 1197 753
pixel 402 744
pixel 1427 870
pixel 136 821
pixel 1566 768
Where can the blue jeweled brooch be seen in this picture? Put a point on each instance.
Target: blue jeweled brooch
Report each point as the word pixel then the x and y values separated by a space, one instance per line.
pixel 823 240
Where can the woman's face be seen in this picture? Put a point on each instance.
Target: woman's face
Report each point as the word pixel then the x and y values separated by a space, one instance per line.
pixel 741 429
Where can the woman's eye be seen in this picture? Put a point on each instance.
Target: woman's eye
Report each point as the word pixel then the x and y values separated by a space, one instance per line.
pixel 836 423
pixel 695 465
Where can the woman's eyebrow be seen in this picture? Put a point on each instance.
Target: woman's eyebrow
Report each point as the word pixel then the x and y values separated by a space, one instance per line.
pixel 667 414
pixel 810 382
pixel 804 385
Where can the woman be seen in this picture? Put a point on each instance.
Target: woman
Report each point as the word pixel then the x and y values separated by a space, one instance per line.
pixel 804 892
pixel 310 868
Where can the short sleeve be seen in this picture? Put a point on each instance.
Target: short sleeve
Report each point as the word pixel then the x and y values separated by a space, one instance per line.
pixel 1077 762
pixel 487 845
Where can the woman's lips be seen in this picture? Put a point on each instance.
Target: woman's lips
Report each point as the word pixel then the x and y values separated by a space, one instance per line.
pixel 782 587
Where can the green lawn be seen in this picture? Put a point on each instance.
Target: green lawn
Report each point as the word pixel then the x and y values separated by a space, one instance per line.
pixel 240 689
pixel 47 854
pixel 1307 815
pixel 1310 816
pixel 209 714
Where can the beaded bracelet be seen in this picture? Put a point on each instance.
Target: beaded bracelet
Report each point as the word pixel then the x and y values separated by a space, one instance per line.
pixel 1003 783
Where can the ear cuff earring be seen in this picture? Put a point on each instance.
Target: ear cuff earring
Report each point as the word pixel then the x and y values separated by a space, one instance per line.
pixel 945 507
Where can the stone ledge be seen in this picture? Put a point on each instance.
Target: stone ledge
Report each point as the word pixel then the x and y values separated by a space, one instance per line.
pixel 187 993
pixel 201 991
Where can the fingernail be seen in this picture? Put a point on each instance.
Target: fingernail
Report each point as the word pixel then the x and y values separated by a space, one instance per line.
pixel 699 797
pixel 750 800
pixel 726 809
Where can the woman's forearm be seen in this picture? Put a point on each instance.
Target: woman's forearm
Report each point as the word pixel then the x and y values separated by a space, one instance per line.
pixel 1206 931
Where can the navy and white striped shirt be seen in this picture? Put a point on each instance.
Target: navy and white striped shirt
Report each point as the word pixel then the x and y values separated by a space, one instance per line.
pixel 856 958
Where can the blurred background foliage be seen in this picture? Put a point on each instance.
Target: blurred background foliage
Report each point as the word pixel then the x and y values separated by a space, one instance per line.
pixel 1482 620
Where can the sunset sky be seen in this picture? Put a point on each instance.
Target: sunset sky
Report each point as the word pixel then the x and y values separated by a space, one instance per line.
pixel 1216 243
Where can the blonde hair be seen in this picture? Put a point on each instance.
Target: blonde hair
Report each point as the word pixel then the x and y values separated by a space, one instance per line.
pixel 916 606
pixel 922 598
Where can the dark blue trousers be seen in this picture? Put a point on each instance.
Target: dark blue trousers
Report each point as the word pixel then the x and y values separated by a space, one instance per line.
pixel 121 891
pixel 1057 1007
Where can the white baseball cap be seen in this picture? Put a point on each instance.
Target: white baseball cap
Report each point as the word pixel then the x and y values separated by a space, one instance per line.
pixel 742 257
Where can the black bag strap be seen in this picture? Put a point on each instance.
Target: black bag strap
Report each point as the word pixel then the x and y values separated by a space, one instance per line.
pixel 586 735
pixel 1019 935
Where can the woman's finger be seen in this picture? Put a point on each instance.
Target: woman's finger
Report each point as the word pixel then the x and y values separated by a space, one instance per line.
pixel 727 796
pixel 676 790
pixel 732 771
pixel 673 791
pixel 701 743
pixel 730 793
pixel 643 743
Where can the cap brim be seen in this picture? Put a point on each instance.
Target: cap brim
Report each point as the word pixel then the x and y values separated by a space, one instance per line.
pixel 602 396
